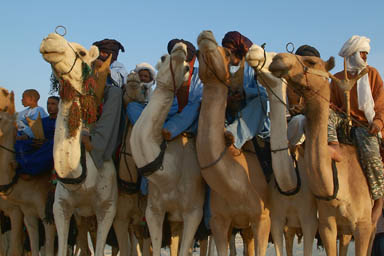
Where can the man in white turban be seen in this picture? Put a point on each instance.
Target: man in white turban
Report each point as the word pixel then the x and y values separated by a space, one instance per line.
pixel 367 112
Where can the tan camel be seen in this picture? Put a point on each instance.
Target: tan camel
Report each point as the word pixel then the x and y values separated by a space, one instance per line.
pixel 82 188
pixel 15 245
pixel 286 206
pixel 5 99
pixel 233 177
pixel 29 194
pixel 177 188
pixel 345 205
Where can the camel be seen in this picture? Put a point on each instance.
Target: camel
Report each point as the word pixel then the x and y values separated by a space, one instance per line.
pixel 343 198
pixel 28 194
pixel 5 97
pixel 82 187
pixel 287 206
pixel 175 183
pixel 232 176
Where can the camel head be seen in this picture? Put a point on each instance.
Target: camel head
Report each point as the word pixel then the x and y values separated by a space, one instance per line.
pixel 173 69
pixel 7 101
pixel 306 74
pixel 133 89
pixel 66 58
pixel 213 60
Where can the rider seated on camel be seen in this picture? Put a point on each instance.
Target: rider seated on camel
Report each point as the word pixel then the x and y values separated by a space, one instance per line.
pixel 30 99
pixel 147 76
pixel 35 156
pixel 251 117
pixel 367 114
pixel 103 137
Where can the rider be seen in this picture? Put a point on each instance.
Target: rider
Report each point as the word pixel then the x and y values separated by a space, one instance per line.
pixel 367 112
pixel 35 156
pixel 102 139
pixel 252 117
pixel 30 99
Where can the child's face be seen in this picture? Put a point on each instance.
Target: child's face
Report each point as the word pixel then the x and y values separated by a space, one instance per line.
pixel 145 76
pixel 27 100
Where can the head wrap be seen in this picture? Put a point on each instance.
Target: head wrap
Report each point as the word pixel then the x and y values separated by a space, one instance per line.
pixel 355 44
pixel 146 66
pixel 191 50
pixel 110 46
pixel 351 51
pixel 237 43
pixel 307 50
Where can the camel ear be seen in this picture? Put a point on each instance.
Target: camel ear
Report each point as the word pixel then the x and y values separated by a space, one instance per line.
pixel 12 109
pixel 330 64
pixel 93 53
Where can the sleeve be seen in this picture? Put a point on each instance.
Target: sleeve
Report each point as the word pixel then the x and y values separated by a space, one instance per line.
pixel 183 120
pixel 251 88
pixel 378 95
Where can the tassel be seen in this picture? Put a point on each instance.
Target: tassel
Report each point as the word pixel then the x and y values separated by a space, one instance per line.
pixel 67 93
pixel 88 109
pixel 86 71
pixel 74 119
pixel 89 86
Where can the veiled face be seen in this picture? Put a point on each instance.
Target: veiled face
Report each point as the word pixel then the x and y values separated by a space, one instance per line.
pixel 364 56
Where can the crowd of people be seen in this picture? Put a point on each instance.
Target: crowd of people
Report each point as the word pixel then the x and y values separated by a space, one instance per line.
pixel 249 121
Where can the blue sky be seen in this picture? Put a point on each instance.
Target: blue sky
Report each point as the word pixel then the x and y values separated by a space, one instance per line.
pixel 145 27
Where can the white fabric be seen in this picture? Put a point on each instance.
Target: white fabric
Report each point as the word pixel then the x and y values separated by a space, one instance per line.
pixel 146 66
pixel 149 88
pixel 296 130
pixel 351 51
pixel 118 73
pixel 233 69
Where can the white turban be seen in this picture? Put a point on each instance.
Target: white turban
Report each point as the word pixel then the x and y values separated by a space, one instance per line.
pixel 351 51
pixel 146 66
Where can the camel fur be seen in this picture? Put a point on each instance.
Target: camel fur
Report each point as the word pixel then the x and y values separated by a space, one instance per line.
pixel 286 211
pixel 97 194
pixel 177 188
pixel 350 212
pixel 29 194
pixel 234 177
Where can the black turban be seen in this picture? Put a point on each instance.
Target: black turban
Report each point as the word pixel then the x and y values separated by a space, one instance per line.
pixel 307 50
pixel 110 46
pixel 237 43
pixel 191 50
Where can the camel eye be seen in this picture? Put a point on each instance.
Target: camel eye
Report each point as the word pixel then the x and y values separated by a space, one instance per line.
pixel 163 58
pixel 310 62
pixel 186 69
pixel 82 53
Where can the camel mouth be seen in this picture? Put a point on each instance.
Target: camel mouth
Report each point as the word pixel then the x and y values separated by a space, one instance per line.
pixel 278 68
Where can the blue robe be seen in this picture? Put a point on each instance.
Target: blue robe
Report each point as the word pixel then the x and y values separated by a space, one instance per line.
pixel 22 124
pixel 34 160
pixel 253 117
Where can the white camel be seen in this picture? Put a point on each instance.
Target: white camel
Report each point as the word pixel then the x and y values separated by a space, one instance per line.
pixel 288 204
pixel 82 188
pixel 176 186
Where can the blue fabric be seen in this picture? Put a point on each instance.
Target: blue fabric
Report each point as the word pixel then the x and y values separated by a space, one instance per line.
pixel 32 113
pixel 187 119
pixel 378 245
pixel 34 160
pixel 118 74
pixel 253 117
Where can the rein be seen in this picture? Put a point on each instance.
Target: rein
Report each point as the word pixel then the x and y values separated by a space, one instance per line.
pixel 7 149
pixel 6 187
pixel 216 161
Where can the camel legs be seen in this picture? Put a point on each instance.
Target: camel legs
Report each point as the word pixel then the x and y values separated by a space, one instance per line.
pixel 32 225
pixel 203 247
pixel 191 223
pixel 249 242
pixel 50 232
pixel 328 234
pixel 62 213
pixel 104 223
pixel 277 227
pixel 289 235
pixel 121 230
pixel 343 244
pixel 155 220
pixel 261 229
pixel 309 224
pixel 16 244
pixel 362 237
pixel 220 228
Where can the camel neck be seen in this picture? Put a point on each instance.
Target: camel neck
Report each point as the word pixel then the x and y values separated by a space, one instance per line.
pixel 7 157
pixel 281 160
pixel 146 134
pixel 317 156
pixel 210 136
